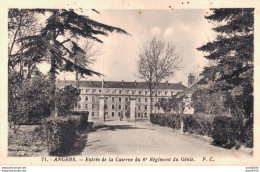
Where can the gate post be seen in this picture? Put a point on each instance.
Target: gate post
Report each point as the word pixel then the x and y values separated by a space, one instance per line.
pixel 101 107
pixel 132 108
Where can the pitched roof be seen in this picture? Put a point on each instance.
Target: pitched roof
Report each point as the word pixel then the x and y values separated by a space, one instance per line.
pixel 122 84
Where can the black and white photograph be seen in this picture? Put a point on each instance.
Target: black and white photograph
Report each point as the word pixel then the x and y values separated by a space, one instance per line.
pixel 158 86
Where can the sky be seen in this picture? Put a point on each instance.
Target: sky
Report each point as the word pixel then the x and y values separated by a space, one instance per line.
pixel 186 29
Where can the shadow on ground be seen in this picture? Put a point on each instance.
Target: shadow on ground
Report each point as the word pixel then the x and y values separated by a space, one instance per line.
pixel 116 127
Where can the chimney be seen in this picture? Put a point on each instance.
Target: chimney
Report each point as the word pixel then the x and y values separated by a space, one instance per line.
pixel 122 82
pixel 135 83
pixel 191 80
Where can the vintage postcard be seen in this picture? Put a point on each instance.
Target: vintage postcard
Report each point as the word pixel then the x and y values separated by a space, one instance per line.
pixel 129 83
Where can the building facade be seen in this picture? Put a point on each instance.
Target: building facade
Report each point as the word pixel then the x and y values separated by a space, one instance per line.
pixel 116 97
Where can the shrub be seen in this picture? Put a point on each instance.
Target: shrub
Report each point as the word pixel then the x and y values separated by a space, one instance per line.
pixel 191 123
pixel 227 131
pixel 62 134
pixel 83 122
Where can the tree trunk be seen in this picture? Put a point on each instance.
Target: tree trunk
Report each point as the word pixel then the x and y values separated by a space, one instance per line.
pixel 54 112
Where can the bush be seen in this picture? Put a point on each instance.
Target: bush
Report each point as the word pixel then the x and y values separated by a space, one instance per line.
pixel 83 115
pixel 191 123
pixel 62 134
pixel 227 131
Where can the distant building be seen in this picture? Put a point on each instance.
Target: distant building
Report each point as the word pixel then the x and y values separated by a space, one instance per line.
pixel 117 97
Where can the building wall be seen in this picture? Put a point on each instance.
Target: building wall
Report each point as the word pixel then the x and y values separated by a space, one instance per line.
pixel 117 101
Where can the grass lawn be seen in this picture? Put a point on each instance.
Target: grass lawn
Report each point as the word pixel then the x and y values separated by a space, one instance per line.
pixel 27 141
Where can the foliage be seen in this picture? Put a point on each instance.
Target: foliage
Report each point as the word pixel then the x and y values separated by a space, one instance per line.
pixel 66 99
pixel 232 51
pixel 205 100
pixel 227 131
pixel 192 123
pixel 57 40
pixel 30 100
pixel 83 119
pixel 168 104
pixel 62 134
pixel 33 101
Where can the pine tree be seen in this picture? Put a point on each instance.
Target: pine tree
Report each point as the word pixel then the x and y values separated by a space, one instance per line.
pixel 232 50
pixel 57 41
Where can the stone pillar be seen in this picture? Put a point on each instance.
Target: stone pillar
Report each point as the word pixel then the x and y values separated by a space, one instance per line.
pixel 101 107
pixel 132 108
pixel 181 129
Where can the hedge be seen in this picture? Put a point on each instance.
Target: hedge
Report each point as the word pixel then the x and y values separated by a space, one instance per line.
pixel 191 123
pixel 62 133
pixel 83 123
pixel 226 131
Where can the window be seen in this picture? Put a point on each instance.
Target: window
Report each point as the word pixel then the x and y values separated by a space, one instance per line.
pixel 120 91
pixel 94 90
pixel 106 98
pixel 119 99
pixel 79 106
pixel 146 92
pixel 93 113
pixel 159 92
pixel 113 99
pixel 139 99
pixel 93 98
pixel 86 106
pixel 152 92
pixel 145 99
pixel 79 98
pixel 87 90
pixel 119 106
pixel 93 106
pixel 86 98
pixel 113 106
pixel 99 91
pixel 126 98
pixel 118 114
pixel 125 106
pixel 113 114
pixel 152 99
pixel 172 92
pixel 140 92
pixel 166 92
pixel 145 115
pixel 133 91
pixel 139 107
pixel 145 107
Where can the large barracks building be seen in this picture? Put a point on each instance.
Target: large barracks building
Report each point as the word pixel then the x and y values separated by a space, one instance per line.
pixel 114 99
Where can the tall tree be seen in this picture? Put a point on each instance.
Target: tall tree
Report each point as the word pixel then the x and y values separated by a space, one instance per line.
pixel 232 53
pixel 157 61
pixel 21 23
pixel 56 41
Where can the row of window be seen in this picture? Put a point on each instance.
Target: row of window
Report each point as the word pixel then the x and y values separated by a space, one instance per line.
pixel 138 115
pixel 119 99
pixel 113 107
pixel 119 91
